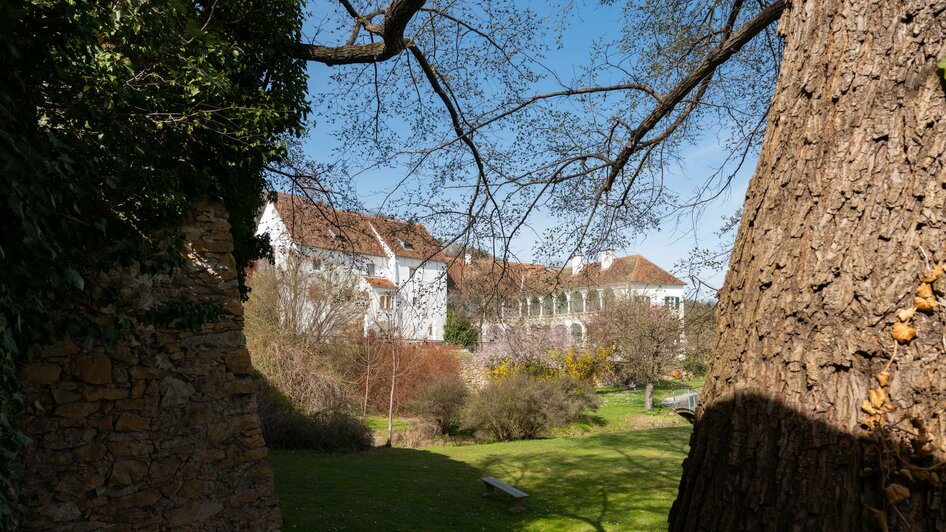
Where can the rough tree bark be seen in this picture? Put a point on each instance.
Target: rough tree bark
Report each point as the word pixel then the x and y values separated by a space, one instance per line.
pixel 848 196
pixel 649 396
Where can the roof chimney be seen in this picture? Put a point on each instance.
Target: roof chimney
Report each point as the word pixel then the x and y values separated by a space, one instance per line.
pixel 607 258
pixel 578 262
pixel 467 257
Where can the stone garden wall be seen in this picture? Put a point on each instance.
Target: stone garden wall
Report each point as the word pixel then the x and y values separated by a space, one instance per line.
pixel 161 430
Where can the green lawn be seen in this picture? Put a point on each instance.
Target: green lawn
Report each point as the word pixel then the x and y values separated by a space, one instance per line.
pixel 607 478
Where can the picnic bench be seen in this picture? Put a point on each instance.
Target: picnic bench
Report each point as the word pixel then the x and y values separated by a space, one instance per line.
pixel 517 495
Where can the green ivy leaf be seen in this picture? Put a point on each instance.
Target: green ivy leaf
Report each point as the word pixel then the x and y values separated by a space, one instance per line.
pixel 942 66
pixel 73 277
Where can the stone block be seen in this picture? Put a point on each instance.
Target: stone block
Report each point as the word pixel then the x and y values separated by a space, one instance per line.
pixel 94 368
pixel 140 499
pixel 238 362
pixel 176 392
pixel 68 438
pixel 41 372
pixel 76 410
pixel 63 396
pixel 66 511
pixel 90 453
pixel 96 393
pixel 127 472
pixel 132 422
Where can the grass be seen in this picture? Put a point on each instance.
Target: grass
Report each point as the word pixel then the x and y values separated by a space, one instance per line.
pixel 604 481
pixel 605 476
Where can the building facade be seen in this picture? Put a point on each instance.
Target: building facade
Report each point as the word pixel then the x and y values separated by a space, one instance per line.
pixel 397 264
pixel 500 293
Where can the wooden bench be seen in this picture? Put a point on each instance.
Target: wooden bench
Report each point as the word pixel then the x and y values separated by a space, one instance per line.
pixel 518 496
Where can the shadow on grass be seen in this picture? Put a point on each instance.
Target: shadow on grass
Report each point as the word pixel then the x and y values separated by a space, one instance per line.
pixel 612 481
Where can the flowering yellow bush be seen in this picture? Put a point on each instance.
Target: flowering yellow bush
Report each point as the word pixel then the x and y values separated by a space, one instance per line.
pixel 575 362
pixel 583 364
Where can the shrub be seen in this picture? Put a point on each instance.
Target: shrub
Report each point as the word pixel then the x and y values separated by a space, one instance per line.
pixel 520 407
pixel 441 401
pixel 694 364
pixel 417 365
pixel 285 426
pixel 458 330
pixel 417 435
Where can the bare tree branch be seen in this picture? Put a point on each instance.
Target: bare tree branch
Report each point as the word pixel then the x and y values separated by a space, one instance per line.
pixel 396 17
pixel 719 56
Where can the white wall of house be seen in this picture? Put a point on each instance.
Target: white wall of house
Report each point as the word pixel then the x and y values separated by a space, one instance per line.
pixel 422 298
pixel 419 309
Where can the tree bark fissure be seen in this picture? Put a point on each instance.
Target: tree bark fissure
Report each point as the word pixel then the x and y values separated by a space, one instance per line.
pixel 847 197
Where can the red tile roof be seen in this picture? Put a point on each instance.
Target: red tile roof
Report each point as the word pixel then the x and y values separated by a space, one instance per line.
pixel 380 282
pixel 494 276
pixel 631 269
pixel 319 226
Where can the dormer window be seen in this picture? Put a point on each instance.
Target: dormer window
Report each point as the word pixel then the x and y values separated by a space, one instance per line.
pixel 406 245
pixel 316 264
pixel 369 269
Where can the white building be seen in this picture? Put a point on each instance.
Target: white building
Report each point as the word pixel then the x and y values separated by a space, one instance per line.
pixel 533 293
pixel 398 264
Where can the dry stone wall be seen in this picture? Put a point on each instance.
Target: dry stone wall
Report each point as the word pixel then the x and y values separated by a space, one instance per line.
pixel 161 431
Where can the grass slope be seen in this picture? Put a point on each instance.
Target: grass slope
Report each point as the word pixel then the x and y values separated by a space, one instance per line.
pixel 607 478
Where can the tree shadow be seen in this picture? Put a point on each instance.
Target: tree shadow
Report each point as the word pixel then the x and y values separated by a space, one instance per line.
pixel 758 464
pixel 622 481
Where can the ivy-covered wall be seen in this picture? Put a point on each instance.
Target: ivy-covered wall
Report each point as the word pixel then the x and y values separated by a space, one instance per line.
pixel 160 429
pixel 114 118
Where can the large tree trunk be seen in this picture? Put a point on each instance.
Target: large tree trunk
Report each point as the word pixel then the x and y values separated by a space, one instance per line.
pixel 649 396
pixel 847 198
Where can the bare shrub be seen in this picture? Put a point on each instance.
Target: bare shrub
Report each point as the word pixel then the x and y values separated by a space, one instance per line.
pixel 286 427
pixel 441 402
pixel 304 376
pixel 520 407
pixel 417 435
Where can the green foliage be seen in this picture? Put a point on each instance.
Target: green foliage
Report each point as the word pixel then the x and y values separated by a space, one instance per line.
pixel 695 364
pixel 942 66
pixel 441 401
pixel 458 330
pixel 524 408
pixel 114 118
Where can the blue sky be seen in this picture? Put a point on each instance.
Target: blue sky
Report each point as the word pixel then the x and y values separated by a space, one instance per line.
pixel 666 246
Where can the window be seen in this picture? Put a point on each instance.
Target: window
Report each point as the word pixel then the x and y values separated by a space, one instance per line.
pixel 672 302
pixel 384 301
pixel 406 245
pixel 369 269
pixel 411 272
pixel 316 264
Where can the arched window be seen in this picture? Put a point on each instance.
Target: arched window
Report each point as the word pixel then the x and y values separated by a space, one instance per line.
pixel 547 304
pixel 594 301
pixel 561 304
pixel 578 304
pixel 608 298
pixel 578 333
pixel 535 307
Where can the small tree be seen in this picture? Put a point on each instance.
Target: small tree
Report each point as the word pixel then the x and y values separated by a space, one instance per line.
pixel 644 340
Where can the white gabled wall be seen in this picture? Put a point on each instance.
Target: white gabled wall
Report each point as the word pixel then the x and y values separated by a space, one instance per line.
pixel 420 303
